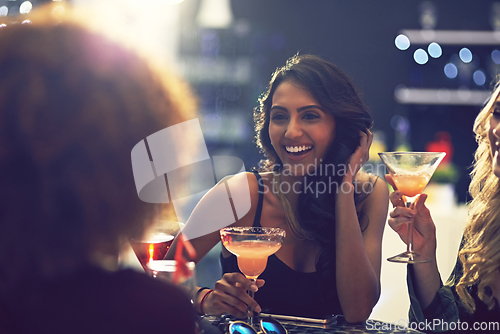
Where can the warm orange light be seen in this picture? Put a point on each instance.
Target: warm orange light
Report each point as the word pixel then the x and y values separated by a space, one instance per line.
pixel 151 251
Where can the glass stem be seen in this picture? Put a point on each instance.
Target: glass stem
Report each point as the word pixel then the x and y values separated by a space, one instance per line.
pixel 250 312
pixel 409 245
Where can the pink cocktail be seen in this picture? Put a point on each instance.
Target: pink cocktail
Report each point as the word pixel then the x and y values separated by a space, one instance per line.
pixel 411 171
pixel 252 246
pixel 252 255
pixel 411 185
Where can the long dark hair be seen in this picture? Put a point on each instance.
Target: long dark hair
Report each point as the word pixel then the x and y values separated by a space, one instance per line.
pixel 336 93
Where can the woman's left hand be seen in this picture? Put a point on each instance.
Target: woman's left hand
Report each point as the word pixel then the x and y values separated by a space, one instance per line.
pixel 360 156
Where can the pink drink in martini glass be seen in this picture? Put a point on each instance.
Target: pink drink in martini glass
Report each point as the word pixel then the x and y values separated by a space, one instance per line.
pixel 411 171
pixel 252 246
pixel 252 255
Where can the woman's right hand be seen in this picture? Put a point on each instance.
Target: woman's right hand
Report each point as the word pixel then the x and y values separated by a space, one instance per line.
pixel 230 296
pixel 424 231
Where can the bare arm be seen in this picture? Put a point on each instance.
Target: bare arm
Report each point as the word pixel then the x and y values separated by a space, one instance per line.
pixel 359 253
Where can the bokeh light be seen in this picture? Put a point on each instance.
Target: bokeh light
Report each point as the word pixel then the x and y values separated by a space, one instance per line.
pixel 479 77
pixel 450 70
pixel 400 123
pixel 420 56
pixel 4 10
pixel 465 55
pixel 402 42
pixel 443 95
pixel 25 7
pixel 434 50
pixel 495 56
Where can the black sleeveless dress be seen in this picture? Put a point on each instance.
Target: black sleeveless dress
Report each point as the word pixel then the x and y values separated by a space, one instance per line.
pixel 287 291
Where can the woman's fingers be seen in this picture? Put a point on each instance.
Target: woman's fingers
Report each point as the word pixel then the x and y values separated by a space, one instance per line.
pixel 400 211
pixel 397 199
pixel 361 154
pixel 222 303
pixel 365 143
pixel 370 137
pixel 242 285
pixel 400 226
pixel 260 282
pixel 390 180
pixel 400 215
pixel 230 295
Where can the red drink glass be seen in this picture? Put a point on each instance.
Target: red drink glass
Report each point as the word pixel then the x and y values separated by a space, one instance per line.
pixel 156 242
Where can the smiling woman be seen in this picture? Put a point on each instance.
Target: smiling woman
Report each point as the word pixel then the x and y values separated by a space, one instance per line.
pixel 300 130
pixel 314 130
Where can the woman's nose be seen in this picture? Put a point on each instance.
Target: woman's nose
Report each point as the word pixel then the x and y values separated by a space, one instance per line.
pixel 294 129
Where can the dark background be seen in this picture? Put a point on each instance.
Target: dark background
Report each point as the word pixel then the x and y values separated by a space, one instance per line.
pixel 357 35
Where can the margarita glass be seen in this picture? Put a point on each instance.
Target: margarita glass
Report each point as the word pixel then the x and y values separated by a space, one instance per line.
pixel 252 246
pixel 411 171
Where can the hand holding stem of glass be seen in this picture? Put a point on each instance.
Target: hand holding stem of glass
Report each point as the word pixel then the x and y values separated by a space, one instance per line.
pixel 252 246
pixel 411 171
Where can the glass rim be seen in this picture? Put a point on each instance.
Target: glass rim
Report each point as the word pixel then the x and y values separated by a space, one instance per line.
pixel 167 265
pixel 408 153
pixel 245 230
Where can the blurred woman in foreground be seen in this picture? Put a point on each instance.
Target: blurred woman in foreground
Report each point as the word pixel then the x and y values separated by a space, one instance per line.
pixel 73 103
pixel 472 292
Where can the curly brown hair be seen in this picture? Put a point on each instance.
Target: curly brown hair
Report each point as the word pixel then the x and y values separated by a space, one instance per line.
pixel 73 103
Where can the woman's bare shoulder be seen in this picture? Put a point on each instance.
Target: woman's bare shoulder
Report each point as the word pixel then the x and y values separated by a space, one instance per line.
pixel 366 182
pixel 369 186
pixel 244 189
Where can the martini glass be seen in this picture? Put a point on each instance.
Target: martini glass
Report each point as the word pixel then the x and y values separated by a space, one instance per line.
pixel 411 171
pixel 252 246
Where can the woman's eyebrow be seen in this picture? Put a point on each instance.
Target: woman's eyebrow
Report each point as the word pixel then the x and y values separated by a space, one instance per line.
pixel 279 108
pixel 312 106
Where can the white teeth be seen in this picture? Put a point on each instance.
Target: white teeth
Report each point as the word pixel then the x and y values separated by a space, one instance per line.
pixel 295 149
